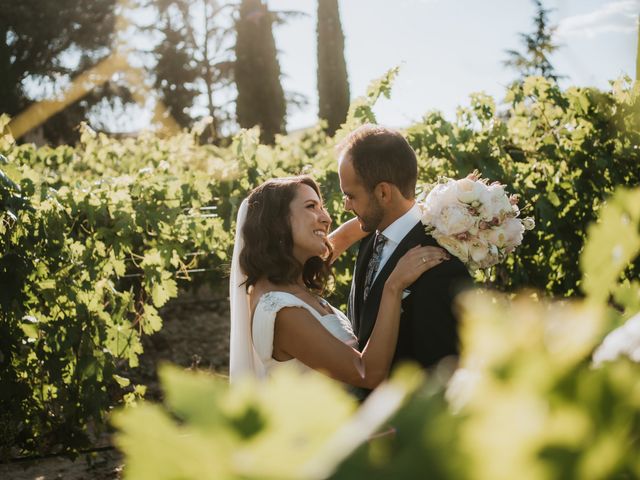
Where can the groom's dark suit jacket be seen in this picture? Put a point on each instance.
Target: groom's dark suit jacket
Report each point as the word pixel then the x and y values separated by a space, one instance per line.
pixel 428 326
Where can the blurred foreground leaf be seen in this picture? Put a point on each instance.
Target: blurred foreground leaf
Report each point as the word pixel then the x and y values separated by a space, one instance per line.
pixel 613 243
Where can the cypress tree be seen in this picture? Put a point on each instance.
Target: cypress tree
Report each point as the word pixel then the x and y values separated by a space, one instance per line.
pixel 333 84
pixel 257 72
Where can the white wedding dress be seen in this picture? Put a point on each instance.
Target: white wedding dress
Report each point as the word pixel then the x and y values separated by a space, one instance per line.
pixel 264 317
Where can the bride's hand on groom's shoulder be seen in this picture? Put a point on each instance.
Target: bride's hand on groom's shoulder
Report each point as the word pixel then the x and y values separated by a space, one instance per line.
pixel 413 264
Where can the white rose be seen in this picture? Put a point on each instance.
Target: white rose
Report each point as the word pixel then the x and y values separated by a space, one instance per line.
pixel 494 236
pixel 442 194
pixel 457 248
pixel 454 219
pixel 495 203
pixel 483 236
pixel 478 251
pixel 502 201
pixel 469 191
pixel 428 214
pixel 529 223
pixel 513 231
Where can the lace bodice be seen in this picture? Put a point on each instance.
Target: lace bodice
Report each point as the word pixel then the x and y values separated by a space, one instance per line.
pixel 264 321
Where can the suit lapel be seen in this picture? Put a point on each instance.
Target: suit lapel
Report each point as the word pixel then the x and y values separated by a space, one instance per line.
pixel 357 285
pixel 369 311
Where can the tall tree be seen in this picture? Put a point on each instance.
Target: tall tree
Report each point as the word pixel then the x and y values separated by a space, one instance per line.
pixel 175 74
pixel 37 41
pixel 333 84
pixel 538 47
pixel 261 98
pixel 194 60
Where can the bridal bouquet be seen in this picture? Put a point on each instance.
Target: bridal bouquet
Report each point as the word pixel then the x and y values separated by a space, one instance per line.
pixel 476 221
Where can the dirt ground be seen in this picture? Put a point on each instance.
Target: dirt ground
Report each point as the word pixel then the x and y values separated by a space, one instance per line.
pixel 195 332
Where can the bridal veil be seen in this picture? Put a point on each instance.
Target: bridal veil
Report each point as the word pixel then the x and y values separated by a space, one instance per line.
pixel 243 359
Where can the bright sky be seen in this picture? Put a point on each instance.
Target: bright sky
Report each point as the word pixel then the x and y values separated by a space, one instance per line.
pixel 449 49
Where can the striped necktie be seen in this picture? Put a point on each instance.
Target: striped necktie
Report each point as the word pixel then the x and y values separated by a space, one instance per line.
pixel 374 263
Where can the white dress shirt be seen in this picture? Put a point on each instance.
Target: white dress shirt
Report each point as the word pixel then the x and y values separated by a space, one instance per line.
pixel 396 232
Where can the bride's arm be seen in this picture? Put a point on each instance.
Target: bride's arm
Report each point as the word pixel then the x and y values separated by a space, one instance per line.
pixel 298 334
pixel 344 236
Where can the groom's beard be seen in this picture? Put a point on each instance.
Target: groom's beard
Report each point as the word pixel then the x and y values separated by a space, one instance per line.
pixel 370 219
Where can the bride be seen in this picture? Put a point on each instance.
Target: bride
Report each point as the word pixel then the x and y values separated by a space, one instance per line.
pixel 280 267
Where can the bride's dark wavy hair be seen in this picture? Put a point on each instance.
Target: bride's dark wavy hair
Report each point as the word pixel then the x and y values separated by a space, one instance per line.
pixel 268 239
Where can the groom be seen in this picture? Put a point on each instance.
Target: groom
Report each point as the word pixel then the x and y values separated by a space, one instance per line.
pixel 378 172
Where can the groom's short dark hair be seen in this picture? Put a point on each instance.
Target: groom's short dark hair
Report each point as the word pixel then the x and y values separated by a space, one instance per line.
pixel 380 154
